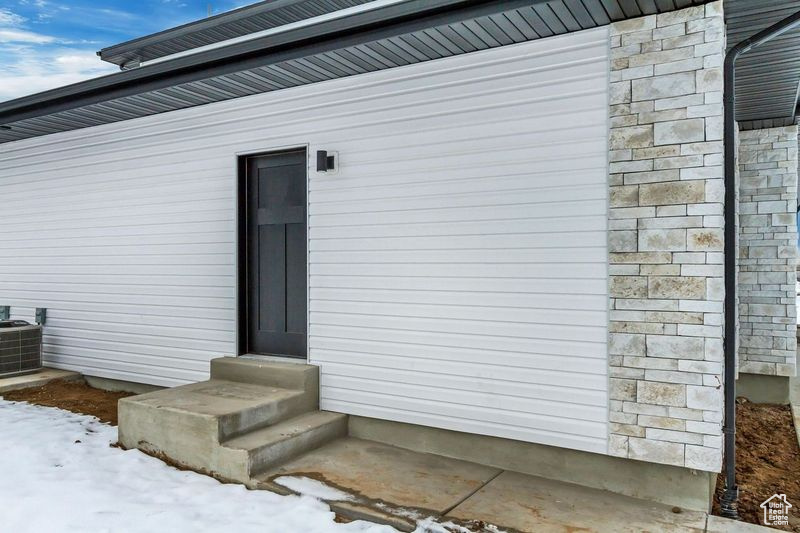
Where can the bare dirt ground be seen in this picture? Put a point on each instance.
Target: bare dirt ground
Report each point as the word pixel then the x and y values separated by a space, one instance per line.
pixel 75 396
pixel 767 460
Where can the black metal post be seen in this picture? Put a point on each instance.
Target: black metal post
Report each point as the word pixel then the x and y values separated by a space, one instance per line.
pixel 729 498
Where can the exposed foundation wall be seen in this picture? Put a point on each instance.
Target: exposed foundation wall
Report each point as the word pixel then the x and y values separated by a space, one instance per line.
pixel 759 388
pixel 688 489
pixel 666 238
pixel 116 385
pixel 767 251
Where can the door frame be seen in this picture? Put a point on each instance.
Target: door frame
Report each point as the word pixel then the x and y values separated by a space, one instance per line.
pixel 240 256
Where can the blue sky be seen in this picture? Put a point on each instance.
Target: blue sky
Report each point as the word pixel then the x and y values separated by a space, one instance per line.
pixel 50 43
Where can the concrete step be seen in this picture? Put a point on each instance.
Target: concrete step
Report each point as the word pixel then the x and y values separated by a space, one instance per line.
pixel 187 423
pixel 271 446
pixel 235 408
pixel 297 376
pixel 251 416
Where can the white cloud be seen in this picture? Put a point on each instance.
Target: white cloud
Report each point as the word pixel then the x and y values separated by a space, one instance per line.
pixel 9 18
pixel 11 32
pixel 37 3
pixel 79 61
pixel 32 62
pixel 19 86
pixel 32 69
pixel 23 36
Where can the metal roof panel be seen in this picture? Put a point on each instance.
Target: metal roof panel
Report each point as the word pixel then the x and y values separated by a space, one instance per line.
pixel 767 77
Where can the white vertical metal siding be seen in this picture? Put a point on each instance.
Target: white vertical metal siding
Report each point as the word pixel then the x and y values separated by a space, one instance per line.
pixel 457 258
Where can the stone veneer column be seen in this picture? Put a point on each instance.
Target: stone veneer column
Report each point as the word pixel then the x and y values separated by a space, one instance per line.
pixel 767 251
pixel 666 238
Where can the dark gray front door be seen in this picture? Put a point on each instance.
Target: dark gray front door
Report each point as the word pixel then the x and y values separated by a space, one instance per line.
pixel 276 254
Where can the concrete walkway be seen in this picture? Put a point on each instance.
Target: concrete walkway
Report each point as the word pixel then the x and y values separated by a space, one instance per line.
pixel 396 486
pixel 36 379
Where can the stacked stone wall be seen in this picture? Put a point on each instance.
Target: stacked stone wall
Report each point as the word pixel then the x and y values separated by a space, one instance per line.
pixel 768 167
pixel 666 238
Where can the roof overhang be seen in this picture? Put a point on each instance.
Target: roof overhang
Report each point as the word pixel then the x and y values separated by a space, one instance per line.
pixel 299 43
pixel 231 24
pixel 768 77
pixel 379 35
pixel 359 42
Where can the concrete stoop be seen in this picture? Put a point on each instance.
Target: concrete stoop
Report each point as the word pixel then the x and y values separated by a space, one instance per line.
pixel 248 418
pixel 258 423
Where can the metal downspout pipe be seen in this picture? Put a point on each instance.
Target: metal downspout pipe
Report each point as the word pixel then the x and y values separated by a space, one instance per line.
pixel 728 500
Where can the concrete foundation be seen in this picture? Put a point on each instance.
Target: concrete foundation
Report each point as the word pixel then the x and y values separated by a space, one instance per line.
pixel 518 502
pixel 764 389
pixel 255 420
pixel 794 399
pixel 689 489
pixel 37 379
pixel 117 385
pixel 396 486
pixel 717 524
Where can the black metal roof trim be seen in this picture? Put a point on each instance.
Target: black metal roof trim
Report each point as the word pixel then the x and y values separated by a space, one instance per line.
pixel 234 23
pixel 382 37
pixel 766 123
pixel 309 40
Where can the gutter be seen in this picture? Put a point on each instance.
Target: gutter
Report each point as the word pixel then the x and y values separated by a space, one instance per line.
pixel 730 496
pixel 374 4
pixel 110 52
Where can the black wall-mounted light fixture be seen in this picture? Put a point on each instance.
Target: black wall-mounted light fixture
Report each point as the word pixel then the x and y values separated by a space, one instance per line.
pixel 325 162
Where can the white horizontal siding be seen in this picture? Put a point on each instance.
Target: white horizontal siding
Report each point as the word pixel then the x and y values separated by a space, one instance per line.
pixel 458 274
pixel 457 258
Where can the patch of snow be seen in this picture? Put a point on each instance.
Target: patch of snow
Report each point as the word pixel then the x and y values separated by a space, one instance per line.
pixel 430 525
pixel 314 488
pixel 59 473
pixel 412 514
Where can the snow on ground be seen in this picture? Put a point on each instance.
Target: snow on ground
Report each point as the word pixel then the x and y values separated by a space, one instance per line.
pixel 58 473
pixel 313 487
